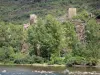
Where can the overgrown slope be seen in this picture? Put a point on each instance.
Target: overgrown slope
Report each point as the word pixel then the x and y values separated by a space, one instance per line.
pixel 19 10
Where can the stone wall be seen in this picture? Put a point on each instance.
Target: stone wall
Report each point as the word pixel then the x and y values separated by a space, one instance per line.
pixel 80 30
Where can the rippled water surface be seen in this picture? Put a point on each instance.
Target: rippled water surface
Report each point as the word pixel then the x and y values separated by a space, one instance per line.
pixel 30 70
pixel 33 70
pixel 28 73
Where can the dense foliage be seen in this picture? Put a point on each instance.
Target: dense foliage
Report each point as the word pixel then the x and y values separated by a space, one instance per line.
pixel 49 40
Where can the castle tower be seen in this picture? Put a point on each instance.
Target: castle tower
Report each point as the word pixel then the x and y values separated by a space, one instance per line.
pixel 71 13
pixel 33 19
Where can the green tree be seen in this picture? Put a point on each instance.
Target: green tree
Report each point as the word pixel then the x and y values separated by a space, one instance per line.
pixel 10 40
pixel 49 35
pixel 92 39
pixel 11 35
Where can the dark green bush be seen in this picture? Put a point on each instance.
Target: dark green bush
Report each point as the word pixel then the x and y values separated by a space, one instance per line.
pixel 56 60
pixel 91 62
pixel 38 59
pixel 29 60
pixel 75 61
pixel 20 61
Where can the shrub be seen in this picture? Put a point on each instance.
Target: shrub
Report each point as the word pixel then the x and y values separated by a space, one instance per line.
pixel 25 58
pixel 91 62
pixel 20 58
pixel 38 59
pixel 75 61
pixel 6 54
pixel 20 61
pixel 56 60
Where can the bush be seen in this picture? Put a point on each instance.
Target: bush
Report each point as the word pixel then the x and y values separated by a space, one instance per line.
pixel 83 16
pixel 6 53
pixel 38 59
pixel 20 61
pixel 20 58
pixel 91 62
pixel 75 61
pixel 56 60
pixel 26 59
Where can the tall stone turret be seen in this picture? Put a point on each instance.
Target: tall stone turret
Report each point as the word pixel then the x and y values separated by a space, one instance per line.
pixel 79 25
pixel 71 13
pixel 33 19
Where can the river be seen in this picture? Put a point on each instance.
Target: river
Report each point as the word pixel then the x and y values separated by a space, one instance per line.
pixel 37 70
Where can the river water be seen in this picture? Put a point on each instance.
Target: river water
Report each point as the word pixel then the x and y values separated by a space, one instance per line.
pixel 37 70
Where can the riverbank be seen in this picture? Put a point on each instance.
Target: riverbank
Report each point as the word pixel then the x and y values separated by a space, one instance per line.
pixel 46 65
pixel 35 64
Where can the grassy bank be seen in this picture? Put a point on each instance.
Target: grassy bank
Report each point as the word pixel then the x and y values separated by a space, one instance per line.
pixel 35 64
pixel 46 65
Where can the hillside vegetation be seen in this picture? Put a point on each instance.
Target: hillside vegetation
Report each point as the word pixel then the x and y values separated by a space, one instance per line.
pixel 19 10
pixel 49 40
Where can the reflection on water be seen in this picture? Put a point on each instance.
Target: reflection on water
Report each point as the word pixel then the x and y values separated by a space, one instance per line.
pixel 33 70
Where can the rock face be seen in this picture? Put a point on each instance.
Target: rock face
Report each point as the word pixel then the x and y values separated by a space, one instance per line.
pixel 71 13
